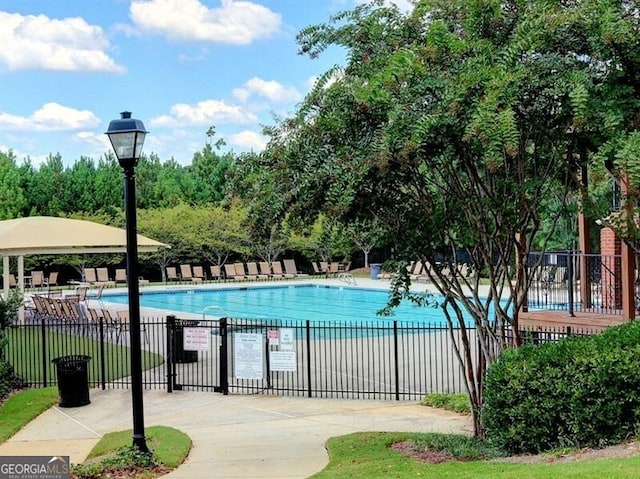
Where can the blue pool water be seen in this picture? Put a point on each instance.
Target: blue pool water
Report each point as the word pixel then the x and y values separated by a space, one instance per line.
pixel 305 302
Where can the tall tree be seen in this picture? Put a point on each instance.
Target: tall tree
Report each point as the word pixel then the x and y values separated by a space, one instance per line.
pixel 12 196
pixel 47 190
pixel 80 189
pixel 209 171
pixel 366 235
pixel 449 126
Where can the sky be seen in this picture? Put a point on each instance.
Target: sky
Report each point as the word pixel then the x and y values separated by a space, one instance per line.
pixel 69 67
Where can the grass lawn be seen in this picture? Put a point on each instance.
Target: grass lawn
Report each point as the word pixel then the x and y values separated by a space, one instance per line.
pixel 368 455
pixel 114 456
pixel 22 407
pixel 170 446
pixel 25 353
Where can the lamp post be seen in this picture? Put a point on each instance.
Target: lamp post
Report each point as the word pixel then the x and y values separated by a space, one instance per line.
pixel 127 137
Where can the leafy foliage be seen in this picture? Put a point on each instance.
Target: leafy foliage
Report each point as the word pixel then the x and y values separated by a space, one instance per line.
pixel 452 126
pixel 576 393
pixel 8 315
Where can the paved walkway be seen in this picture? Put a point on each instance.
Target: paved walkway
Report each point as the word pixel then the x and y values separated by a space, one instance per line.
pixel 233 436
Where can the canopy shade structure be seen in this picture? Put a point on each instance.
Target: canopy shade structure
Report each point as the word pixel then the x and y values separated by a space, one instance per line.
pixel 51 235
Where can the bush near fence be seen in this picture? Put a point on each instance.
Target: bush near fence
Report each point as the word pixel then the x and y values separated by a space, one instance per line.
pixel 579 392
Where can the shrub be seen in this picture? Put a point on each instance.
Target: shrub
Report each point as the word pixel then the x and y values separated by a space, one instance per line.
pixel 580 392
pixel 8 314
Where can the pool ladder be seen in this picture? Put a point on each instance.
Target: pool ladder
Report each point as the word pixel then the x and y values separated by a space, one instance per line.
pixel 213 306
pixel 347 278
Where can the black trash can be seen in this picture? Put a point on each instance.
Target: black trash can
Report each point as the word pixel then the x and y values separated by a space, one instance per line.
pixel 73 380
pixel 179 354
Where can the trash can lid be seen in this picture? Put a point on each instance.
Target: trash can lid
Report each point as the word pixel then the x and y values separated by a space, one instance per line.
pixel 74 358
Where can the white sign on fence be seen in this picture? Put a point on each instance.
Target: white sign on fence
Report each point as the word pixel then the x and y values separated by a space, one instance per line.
pixel 274 337
pixel 248 355
pixel 286 339
pixel 195 339
pixel 282 360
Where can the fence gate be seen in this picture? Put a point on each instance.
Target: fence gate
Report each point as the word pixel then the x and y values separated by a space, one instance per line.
pixel 368 360
pixel 193 355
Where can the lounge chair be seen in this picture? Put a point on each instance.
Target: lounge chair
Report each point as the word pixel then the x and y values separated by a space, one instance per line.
pixel 90 275
pixel 417 271
pixel 316 268
pixel 187 275
pixel 198 274
pixel 265 269
pixel 172 274
pixel 334 268
pixel 252 271
pixel 123 324
pixel 230 272
pixel 121 276
pixel 52 279
pixel 241 274
pixel 215 272
pixel 80 294
pixel 276 266
pixel 291 269
pixel 324 268
pixel 12 280
pixel 37 279
pixel 103 277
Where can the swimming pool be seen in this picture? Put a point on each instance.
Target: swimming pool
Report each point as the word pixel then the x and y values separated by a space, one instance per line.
pixel 298 303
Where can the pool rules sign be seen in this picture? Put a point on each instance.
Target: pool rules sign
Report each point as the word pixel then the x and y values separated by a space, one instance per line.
pixel 284 358
pixel 249 353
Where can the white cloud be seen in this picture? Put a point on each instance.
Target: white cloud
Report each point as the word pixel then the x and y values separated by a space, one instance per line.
pixel 270 89
pixel 207 112
pixel 403 5
pixel 249 140
pixel 93 142
pixel 39 42
pixel 51 117
pixel 234 22
pixel 335 76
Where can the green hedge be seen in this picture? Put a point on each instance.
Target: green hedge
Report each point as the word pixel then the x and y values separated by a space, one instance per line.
pixel 580 392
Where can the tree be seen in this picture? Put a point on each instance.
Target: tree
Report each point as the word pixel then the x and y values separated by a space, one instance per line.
pixel 220 232
pixel 209 170
pixel 47 190
pixel 109 184
pixel 171 226
pixel 12 196
pixel 366 235
pixel 79 188
pixel 256 186
pixel 449 127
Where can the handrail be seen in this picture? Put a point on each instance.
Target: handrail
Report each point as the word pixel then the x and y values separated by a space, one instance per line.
pixel 213 306
pixel 347 278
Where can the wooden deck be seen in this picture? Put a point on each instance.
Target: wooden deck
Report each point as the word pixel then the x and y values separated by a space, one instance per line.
pixel 581 321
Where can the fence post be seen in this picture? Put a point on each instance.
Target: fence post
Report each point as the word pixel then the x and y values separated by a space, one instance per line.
pixel 171 323
pixel 570 275
pixel 224 366
pixel 103 366
pixel 308 358
pixel 43 337
pixel 395 355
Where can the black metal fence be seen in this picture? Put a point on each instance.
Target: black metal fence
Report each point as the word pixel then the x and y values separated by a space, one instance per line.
pixel 582 282
pixel 367 360
pixel 32 346
pixel 374 359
